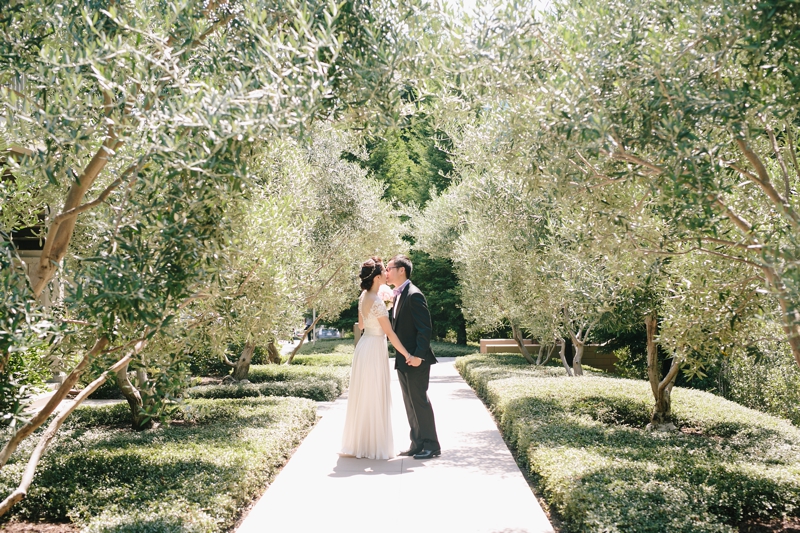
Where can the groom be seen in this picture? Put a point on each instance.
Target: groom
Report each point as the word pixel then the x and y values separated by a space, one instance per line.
pixel 412 324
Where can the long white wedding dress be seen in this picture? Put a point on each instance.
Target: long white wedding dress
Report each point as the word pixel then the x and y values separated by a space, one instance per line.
pixel 368 424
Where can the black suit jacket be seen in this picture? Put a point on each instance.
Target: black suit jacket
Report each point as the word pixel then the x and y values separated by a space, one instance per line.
pixel 412 324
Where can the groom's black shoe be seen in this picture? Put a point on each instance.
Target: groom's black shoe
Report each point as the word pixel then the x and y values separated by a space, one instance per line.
pixel 427 454
pixel 410 452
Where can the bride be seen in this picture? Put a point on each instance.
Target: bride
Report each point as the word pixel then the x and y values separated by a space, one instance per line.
pixel 368 424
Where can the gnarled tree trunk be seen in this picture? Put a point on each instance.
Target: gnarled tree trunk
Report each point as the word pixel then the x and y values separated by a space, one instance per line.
pixel 661 419
pixel 517 333
pixel 242 368
pixel 541 359
pixel 274 356
pixel 579 345
pixel 139 420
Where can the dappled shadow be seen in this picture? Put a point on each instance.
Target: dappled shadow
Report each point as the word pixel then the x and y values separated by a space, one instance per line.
pixel 446 379
pixel 133 479
pixel 482 452
pixel 733 479
pixel 350 466
pixel 462 393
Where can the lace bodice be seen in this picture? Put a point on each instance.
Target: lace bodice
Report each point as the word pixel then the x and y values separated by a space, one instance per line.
pixel 371 315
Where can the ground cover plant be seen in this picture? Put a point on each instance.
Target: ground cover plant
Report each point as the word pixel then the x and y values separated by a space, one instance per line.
pixel 320 383
pixel 196 474
pixel 584 442
pixel 312 353
pixel 448 349
pixel 319 372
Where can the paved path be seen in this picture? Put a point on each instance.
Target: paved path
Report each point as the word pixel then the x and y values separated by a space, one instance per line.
pixel 474 487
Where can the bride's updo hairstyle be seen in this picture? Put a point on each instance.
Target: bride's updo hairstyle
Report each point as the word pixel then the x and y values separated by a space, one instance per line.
pixel 369 269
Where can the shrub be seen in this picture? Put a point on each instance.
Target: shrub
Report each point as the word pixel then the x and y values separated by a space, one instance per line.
pixel 206 362
pixel 292 373
pixel 329 347
pixel 209 363
pixel 323 359
pixel 448 349
pixel 766 379
pixel 582 439
pixel 632 365
pixel 313 388
pixel 195 475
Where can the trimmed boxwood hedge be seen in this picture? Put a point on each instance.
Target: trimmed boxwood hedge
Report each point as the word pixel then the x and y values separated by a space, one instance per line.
pixel 583 441
pixel 196 475
pixel 295 373
pixel 448 349
pixel 321 390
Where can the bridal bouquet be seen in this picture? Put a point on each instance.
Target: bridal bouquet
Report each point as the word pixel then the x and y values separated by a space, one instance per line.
pixel 387 295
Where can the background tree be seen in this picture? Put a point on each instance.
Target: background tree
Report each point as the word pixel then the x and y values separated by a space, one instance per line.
pixel 411 160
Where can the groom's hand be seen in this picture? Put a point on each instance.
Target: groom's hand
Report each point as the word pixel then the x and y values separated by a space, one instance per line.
pixel 414 361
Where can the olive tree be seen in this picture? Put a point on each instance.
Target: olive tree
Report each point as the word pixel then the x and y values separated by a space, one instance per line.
pixel 135 131
pixel 689 111
pixel 698 103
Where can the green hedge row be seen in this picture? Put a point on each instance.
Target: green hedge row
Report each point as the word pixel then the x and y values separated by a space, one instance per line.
pixel 448 349
pixel 301 372
pixel 195 475
pixel 583 441
pixel 313 388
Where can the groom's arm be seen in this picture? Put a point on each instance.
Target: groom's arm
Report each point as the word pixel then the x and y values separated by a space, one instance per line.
pixel 421 317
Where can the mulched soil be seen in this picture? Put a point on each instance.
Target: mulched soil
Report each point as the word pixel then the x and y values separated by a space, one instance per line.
pixel 38 527
pixel 791 525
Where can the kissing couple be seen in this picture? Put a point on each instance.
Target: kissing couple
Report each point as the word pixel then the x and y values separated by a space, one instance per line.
pixel 401 315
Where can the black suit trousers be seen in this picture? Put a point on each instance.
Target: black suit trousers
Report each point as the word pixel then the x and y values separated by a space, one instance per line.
pixel 414 384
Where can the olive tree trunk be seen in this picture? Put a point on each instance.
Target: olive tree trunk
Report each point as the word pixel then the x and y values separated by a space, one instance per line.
pixel 139 420
pixel 579 345
pixel 516 332
pixel 541 358
pixel 242 367
pixel 661 419
pixel 274 356
pixel 302 340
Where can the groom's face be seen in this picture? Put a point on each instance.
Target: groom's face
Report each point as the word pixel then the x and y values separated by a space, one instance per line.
pixel 391 274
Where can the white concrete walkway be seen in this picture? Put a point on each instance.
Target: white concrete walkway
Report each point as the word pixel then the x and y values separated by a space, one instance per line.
pixel 474 487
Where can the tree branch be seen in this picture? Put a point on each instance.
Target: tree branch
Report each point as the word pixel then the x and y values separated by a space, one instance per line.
pixel 779 157
pixel 764 182
pixel 744 226
pixel 27 477
pixel 70 214
pixel 310 300
pixel 54 401
pixel 607 180
pixel 622 155
pixel 724 242
pixel 227 361
pixel 302 340
pixel 24 97
pixel 673 371
pixel 792 149
pixel 699 249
